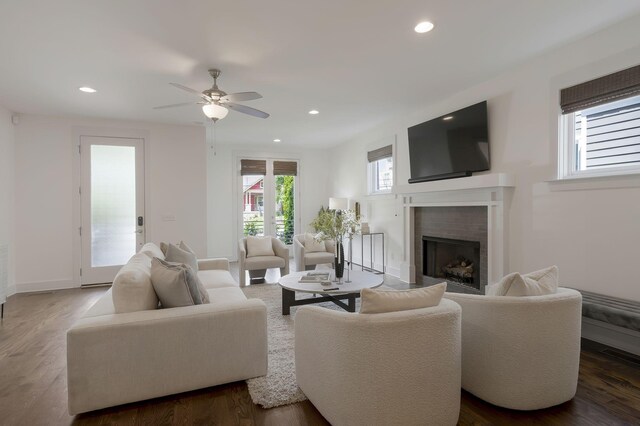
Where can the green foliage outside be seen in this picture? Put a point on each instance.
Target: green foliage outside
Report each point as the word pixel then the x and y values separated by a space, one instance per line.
pixel 251 226
pixel 284 198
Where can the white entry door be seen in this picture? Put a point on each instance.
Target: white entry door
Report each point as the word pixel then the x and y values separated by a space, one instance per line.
pixel 112 203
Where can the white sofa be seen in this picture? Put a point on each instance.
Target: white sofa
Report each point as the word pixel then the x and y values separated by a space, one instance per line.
pixel 521 353
pixel 396 368
pixel 117 358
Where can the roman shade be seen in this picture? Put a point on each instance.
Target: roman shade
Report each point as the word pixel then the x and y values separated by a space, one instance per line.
pixel 619 85
pixel 380 153
pixel 253 167
pixel 285 168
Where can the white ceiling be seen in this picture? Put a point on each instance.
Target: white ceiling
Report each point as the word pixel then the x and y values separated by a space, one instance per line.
pixel 358 62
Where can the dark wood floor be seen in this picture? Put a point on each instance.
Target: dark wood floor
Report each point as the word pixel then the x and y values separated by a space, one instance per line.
pixel 33 382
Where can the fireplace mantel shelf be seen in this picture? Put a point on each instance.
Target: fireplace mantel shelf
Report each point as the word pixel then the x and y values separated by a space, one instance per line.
pixel 492 180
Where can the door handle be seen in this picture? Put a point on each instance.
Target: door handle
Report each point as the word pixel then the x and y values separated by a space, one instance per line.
pixel 139 231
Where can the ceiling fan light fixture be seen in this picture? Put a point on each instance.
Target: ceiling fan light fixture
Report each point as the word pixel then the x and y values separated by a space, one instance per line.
pixel 423 27
pixel 215 112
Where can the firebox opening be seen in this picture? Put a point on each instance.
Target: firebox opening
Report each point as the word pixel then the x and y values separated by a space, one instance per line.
pixel 453 260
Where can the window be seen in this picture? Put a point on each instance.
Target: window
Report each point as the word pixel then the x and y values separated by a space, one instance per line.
pixel 601 126
pixel 380 170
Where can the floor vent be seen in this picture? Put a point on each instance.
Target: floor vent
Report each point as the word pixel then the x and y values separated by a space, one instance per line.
pixel 625 356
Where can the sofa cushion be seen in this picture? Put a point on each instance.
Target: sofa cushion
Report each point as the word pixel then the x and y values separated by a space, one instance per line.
pixel 317 258
pixel 259 246
pixel 104 306
pixel 311 245
pixel 176 284
pixel 264 262
pixel 152 251
pixel 132 290
pixel 177 255
pixel 537 283
pixel 380 301
pixel 216 278
pixel 222 295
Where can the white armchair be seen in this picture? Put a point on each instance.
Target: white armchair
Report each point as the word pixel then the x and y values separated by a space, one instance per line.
pixel 521 353
pixel 307 260
pixel 258 265
pixel 380 369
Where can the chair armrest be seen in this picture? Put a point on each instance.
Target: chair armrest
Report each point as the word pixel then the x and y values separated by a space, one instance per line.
pixel 298 254
pixel 209 264
pixel 280 249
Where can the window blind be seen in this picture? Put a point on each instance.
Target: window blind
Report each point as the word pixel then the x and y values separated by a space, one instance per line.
pixel 380 153
pixel 285 168
pixel 619 85
pixel 253 167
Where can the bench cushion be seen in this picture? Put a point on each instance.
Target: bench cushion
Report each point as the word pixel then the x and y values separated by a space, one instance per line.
pixel 621 312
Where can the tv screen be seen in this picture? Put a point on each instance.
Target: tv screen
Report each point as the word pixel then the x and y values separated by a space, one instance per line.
pixel 453 145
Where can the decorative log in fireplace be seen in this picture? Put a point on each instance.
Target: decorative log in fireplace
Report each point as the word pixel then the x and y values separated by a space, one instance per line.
pixel 454 260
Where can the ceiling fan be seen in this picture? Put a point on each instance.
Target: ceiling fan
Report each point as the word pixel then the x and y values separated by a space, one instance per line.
pixel 216 103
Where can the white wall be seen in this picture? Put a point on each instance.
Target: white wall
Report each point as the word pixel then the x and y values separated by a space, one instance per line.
pixel 222 189
pixel 590 229
pixel 7 171
pixel 46 202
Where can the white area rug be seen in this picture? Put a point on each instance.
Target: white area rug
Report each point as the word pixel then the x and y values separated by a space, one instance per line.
pixel 279 386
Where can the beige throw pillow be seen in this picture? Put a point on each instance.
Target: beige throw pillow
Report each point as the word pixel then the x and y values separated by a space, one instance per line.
pixel 537 283
pixel 132 290
pixel 380 301
pixel 176 284
pixel 311 245
pixel 178 255
pixel 259 246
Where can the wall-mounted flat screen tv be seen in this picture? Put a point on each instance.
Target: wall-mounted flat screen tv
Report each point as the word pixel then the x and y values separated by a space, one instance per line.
pixel 453 145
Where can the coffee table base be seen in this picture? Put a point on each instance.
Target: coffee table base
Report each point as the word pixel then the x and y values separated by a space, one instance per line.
pixel 289 300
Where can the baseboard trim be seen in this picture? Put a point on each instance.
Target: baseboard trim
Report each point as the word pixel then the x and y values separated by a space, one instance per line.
pixel 611 335
pixel 45 286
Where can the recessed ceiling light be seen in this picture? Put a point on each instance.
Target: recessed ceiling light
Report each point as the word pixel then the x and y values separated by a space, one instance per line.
pixel 277 140
pixel 448 117
pixel 424 27
pixel 86 89
pixel 314 112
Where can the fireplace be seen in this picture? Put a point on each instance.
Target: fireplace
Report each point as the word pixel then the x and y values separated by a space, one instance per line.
pixel 456 261
pixel 446 237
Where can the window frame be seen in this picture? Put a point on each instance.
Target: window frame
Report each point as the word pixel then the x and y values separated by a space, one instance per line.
pixel 567 155
pixel 371 176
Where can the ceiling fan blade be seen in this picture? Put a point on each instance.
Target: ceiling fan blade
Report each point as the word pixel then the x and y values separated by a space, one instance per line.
pixel 246 110
pixel 186 89
pixel 175 105
pixel 240 97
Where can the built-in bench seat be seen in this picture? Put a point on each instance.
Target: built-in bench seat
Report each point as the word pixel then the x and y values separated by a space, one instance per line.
pixel 611 320
pixel 612 310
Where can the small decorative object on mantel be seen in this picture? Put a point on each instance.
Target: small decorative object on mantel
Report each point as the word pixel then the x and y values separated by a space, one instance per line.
pixel 336 225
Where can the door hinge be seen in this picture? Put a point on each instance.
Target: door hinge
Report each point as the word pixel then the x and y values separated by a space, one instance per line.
pixel 79 151
pixel 80 230
pixel 79 190
pixel 80 271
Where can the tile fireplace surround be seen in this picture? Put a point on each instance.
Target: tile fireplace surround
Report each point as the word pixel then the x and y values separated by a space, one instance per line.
pixel 473 208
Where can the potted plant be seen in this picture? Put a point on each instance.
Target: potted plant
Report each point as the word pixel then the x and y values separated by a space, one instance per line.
pixel 336 225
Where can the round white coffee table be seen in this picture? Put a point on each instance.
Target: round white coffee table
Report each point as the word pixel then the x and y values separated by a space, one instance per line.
pixel 335 292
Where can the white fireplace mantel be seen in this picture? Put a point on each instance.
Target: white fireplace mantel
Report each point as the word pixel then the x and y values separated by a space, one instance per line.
pixel 490 190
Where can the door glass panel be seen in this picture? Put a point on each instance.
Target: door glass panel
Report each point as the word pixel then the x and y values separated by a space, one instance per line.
pixel 253 204
pixel 113 204
pixel 284 206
